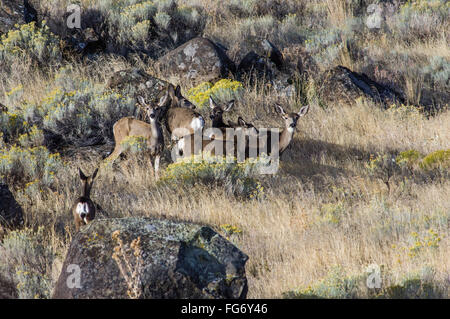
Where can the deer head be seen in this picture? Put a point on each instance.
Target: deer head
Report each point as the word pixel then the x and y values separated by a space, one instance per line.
pixel 217 112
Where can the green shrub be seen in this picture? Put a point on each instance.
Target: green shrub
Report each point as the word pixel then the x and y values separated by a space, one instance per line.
pixel 145 25
pixel 414 285
pixel 30 41
pixel 408 158
pixel 439 159
pixel 335 286
pixel 237 178
pixel 384 167
pixel 25 165
pixel 27 258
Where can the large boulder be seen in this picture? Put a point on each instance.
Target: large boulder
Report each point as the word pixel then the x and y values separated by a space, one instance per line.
pixel 137 82
pixel 178 260
pixel 11 214
pixel 265 49
pixel 198 60
pixel 343 85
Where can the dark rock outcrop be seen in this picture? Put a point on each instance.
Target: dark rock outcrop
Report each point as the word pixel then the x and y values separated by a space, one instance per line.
pixel 179 260
pixel 11 214
pixel 198 60
pixel 265 49
pixel 343 85
pixel 30 14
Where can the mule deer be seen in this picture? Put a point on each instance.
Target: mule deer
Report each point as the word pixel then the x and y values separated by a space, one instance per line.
pixel 217 113
pixel 181 119
pixel 264 144
pixel 129 126
pixel 190 144
pixel 83 209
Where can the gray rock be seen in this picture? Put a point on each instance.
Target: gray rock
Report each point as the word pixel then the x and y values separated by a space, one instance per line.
pixel 138 82
pixel 198 60
pixel 265 49
pixel 11 13
pixel 342 84
pixel 11 214
pixel 180 260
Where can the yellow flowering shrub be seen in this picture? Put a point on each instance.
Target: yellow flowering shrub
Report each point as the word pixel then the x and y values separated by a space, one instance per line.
pixel 223 90
pixel 438 159
pixel 408 158
pixel 29 40
pixel 25 256
pixel 134 144
pixel 23 165
pixel 237 178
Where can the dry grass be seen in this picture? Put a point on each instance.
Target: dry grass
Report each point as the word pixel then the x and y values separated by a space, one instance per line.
pixel 322 209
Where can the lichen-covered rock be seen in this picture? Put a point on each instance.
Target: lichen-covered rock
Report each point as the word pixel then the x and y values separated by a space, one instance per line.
pixel 344 85
pixel 138 82
pixel 11 214
pixel 11 13
pixel 179 260
pixel 198 60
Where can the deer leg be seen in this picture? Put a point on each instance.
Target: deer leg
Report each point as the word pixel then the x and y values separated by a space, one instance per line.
pixel 157 158
pixel 112 157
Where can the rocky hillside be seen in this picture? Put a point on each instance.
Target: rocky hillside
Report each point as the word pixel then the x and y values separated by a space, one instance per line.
pixel 364 180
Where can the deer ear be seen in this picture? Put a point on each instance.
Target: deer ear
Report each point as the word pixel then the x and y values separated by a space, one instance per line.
pixel 212 103
pixel 178 91
pixel 279 109
pixel 229 106
pixel 141 100
pixel 95 174
pixel 163 99
pixel 82 176
pixel 171 91
pixel 241 121
pixel 303 110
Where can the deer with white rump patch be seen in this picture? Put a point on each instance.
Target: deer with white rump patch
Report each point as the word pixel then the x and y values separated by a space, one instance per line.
pixel 83 209
pixel 181 119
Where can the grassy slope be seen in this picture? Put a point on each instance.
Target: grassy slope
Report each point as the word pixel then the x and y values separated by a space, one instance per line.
pixel 321 210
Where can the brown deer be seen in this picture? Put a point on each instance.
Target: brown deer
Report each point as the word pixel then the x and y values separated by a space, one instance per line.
pixel 217 113
pixel 83 209
pixel 129 126
pixel 237 139
pixel 264 144
pixel 181 119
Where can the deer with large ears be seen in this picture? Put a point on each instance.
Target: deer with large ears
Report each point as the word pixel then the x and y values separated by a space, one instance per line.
pixel 216 117
pixel 83 209
pixel 129 126
pixel 189 145
pixel 181 119
pixel 286 136
pixel 217 113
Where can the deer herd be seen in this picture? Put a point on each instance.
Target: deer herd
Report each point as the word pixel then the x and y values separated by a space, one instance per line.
pixel 186 127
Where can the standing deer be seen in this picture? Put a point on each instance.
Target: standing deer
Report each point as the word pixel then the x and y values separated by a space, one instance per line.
pixel 264 144
pixel 180 117
pixel 83 209
pixel 129 126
